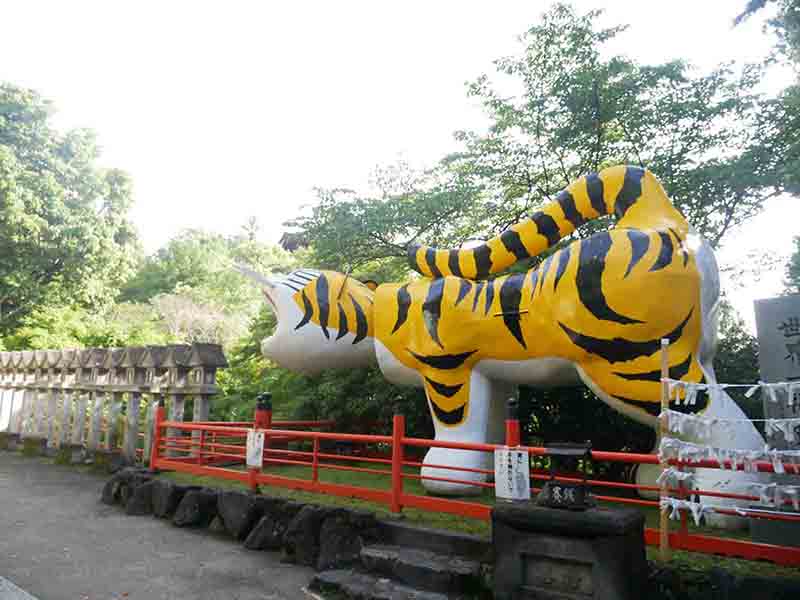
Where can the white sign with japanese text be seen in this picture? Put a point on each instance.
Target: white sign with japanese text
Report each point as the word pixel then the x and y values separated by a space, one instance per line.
pixel 255 448
pixel 512 474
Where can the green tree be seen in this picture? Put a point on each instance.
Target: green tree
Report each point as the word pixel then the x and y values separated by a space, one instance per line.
pixel 558 110
pixel 69 326
pixel 781 125
pixel 65 235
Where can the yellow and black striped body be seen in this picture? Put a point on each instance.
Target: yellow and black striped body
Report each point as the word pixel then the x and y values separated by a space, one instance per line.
pixel 601 304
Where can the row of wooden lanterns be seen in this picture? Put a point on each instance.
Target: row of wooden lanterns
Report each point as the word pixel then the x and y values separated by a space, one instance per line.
pixel 74 376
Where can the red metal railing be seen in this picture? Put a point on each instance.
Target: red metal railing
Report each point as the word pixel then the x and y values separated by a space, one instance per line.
pixel 196 454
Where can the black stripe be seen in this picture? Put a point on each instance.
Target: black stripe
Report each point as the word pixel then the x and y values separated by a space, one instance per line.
pixel 620 349
pixel 630 192
pixel 681 246
pixel 322 302
pixel 361 321
pixel 300 282
pixel 640 242
pixel 342 323
pixel 443 361
pixel 563 261
pixel 432 309
pixel 489 296
pixel 510 297
pixel 675 372
pixel 665 254
pixel 464 287
pixel 430 258
pixel 309 310
pixel 453 264
pixel 412 257
pixel 591 265
pixel 545 270
pixel 308 273
pixel 403 304
pixel 452 417
pixel 546 225
pixel 483 260
pixel 448 391
pixel 594 189
pixel 534 281
pixel 513 244
pixel 302 276
pixel 291 287
pixel 478 291
pixel 567 204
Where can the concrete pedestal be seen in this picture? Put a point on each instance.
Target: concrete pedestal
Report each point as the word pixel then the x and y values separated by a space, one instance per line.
pixel 552 554
pixel 10 441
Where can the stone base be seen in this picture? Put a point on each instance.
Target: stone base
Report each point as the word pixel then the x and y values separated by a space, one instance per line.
pixel 106 461
pixel 548 553
pixel 34 446
pixel 9 441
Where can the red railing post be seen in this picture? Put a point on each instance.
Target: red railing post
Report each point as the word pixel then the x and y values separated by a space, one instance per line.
pixel 512 424
pixel 261 420
pixel 160 410
pixel 398 433
pixel 315 462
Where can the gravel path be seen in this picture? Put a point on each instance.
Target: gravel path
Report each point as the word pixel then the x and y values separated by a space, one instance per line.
pixel 57 541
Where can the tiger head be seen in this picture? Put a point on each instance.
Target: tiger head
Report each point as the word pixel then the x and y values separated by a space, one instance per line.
pixel 325 320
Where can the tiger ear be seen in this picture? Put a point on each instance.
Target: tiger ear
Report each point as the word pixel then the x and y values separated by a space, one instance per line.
pixel 373 285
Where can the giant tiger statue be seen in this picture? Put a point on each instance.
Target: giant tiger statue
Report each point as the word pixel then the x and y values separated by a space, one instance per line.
pixel 593 312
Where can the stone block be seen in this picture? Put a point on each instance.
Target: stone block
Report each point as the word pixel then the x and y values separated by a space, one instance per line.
pixel 301 540
pixel 34 446
pixel 542 552
pixel 166 496
pixel 120 486
pixel 197 508
pixel 269 531
pixel 9 441
pixel 239 512
pixel 140 501
pixel 342 536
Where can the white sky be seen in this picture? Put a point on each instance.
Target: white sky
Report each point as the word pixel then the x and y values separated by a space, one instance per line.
pixel 223 110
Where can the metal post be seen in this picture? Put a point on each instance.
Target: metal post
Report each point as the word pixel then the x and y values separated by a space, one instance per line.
pixel 398 433
pixel 664 550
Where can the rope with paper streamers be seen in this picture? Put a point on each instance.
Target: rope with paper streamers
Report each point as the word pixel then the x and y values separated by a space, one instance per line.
pixel 699 509
pixel 673 448
pixel 768 390
pixel 702 427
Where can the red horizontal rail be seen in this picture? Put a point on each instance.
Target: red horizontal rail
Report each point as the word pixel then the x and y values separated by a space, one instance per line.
pixel 204 449
pixel 787 556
